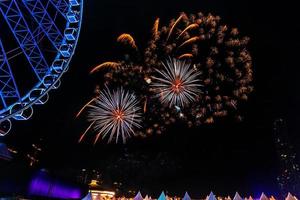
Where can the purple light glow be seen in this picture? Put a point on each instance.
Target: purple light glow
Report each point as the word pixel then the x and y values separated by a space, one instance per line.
pixel 42 185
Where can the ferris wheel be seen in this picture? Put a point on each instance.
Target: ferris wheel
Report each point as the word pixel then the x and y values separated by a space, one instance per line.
pixel 37 41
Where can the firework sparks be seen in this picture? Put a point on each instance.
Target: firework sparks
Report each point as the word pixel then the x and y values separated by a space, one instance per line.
pixel 85 132
pixel 83 108
pixel 174 25
pixel 177 84
pixel 155 28
pixel 186 55
pixel 127 39
pixel 219 53
pixel 216 53
pixel 113 65
pixel 190 27
pixel 189 41
pixel 115 113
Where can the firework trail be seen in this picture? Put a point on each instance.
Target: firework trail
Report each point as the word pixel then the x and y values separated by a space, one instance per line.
pixel 189 41
pixel 190 27
pixel 174 25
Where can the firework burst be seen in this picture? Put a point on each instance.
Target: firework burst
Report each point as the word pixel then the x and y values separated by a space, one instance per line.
pixel 208 78
pixel 114 114
pixel 219 52
pixel 177 84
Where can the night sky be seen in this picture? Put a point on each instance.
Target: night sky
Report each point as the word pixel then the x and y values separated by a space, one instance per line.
pixel 224 157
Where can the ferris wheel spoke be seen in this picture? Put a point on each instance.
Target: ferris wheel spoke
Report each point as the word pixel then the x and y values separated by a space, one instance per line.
pixel 23 35
pixel 8 87
pixel 13 50
pixel 54 17
pixel 38 34
pixel 61 6
pixel 15 55
pixel 45 22
pixel 17 52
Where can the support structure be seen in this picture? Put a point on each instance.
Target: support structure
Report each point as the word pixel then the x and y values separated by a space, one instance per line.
pixel 45 22
pixel 8 87
pixel 23 35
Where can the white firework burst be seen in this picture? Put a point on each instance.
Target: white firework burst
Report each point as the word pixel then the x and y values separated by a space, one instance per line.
pixel 115 114
pixel 177 84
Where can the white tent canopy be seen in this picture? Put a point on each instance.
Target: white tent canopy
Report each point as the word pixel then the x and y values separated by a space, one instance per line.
pixel 237 196
pixel 211 196
pixel 290 197
pixel 263 197
pixel 186 196
pixel 229 198
pixel 146 197
pixel 138 196
pixel 162 196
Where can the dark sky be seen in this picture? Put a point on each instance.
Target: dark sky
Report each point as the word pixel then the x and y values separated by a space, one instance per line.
pixel 224 157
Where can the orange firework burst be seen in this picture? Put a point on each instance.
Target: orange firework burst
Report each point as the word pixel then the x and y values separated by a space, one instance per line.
pixel 155 28
pixel 113 65
pixel 189 41
pixel 174 25
pixel 190 27
pixel 126 38
pixel 186 55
